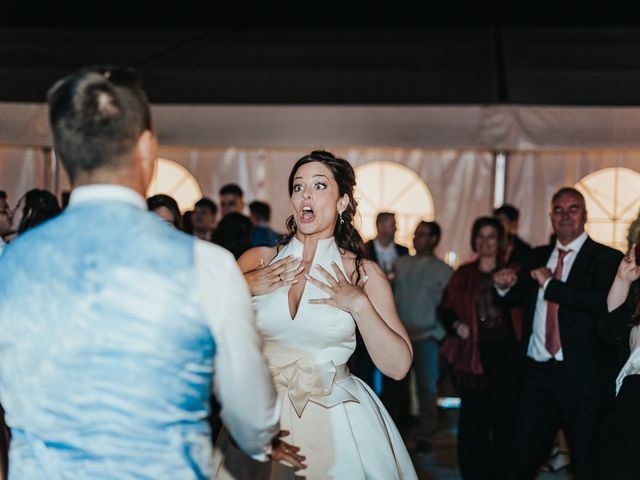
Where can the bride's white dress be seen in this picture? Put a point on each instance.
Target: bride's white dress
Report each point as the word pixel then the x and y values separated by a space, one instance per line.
pixel 337 421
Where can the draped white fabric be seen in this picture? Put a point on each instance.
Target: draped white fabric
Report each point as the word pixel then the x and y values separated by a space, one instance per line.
pixel 533 177
pixel 450 148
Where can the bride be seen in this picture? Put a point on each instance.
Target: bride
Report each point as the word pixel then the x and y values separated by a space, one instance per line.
pixel 309 296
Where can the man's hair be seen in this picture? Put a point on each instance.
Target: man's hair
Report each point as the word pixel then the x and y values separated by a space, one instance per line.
pixel 261 210
pixel 231 189
pixel 97 115
pixel 569 191
pixel 434 230
pixel 382 216
pixel 207 203
pixel 509 211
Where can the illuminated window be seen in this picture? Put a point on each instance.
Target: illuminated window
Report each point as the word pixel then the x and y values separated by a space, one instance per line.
pixel 173 179
pixel 612 204
pixel 387 186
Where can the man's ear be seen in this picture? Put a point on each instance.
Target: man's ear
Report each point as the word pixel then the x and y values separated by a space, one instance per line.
pixel 147 154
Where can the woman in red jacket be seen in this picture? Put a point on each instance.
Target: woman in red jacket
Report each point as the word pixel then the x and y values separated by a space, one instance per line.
pixel 483 354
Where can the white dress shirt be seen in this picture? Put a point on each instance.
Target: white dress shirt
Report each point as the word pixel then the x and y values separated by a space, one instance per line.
pixel 242 382
pixel 385 255
pixel 537 349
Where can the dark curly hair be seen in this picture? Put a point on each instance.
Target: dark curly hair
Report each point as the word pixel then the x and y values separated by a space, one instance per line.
pixel 39 206
pixel 345 233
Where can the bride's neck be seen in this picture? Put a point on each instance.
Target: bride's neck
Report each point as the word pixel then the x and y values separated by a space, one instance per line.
pixel 309 245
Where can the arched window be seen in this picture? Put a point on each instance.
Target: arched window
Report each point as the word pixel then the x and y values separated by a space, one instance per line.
pixel 388 186
pixel 173 179
pixel 613 202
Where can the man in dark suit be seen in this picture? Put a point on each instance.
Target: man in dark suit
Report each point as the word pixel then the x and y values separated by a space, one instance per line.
pixel 562 288
pixel 517 250
pixel 382 249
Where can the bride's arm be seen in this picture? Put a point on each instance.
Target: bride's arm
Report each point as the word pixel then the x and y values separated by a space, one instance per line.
pixel 372 306
pixel 383 333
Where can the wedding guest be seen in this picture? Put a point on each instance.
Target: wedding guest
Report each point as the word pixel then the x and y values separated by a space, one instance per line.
pixel 231 199
pixel 620 438
pixel 203 219
pixel 418 286
pixel 263 235
pixel 483 353
pixel 234 233
pixel 166 208
pixel 34 207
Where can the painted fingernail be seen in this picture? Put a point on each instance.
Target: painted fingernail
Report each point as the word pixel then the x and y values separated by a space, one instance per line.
pixel 294 281
pixel 307 276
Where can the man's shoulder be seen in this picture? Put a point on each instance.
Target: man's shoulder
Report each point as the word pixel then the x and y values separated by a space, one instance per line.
pixel 210 252
pixel 402 250
pixel 441 265
pixel 602 250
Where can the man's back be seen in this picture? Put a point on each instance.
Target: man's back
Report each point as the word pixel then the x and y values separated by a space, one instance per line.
pixel 119 360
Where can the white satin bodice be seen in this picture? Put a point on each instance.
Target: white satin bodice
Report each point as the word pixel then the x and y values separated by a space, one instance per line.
pixel 319 333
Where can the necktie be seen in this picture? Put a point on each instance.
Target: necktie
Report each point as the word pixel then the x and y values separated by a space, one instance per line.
pixel 552 332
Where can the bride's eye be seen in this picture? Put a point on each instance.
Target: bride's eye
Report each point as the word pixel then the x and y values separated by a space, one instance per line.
pixel 320 186
pixel 297 187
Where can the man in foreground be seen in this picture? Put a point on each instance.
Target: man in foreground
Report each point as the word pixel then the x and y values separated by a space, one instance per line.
pixel 113 323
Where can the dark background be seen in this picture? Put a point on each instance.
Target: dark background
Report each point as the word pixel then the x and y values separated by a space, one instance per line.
pixel 563 53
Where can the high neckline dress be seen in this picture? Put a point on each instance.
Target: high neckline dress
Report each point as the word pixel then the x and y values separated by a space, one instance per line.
pixel 337 421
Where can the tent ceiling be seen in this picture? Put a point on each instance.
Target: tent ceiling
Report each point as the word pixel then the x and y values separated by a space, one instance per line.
pixel 476 65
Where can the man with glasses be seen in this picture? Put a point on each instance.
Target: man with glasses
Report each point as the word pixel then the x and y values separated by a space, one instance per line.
pixel 113 323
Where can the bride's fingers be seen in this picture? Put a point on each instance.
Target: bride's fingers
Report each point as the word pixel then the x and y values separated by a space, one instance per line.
pixel 363 281
pixel 287 267
pixel 321 285
pixel 324 301
pixel 339 275
pixel 328 277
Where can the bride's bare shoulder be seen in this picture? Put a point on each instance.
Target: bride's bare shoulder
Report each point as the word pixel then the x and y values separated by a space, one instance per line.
pixel 256 256
pixel 367 267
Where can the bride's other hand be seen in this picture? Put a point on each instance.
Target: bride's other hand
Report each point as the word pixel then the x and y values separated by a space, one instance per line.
pixel 266 279
pixel 285 452
pixel 342 293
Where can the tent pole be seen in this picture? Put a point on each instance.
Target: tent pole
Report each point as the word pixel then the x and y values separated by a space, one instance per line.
pixel 499 178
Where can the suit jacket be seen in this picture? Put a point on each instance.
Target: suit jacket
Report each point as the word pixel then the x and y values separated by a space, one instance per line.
pixel 371 250
pixel 521 251
pixel 589 361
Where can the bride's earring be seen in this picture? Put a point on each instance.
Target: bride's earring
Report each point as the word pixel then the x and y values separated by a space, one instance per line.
pixel 341 219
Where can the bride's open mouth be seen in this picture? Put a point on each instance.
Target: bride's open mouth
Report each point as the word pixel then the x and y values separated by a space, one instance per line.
pixel 307 215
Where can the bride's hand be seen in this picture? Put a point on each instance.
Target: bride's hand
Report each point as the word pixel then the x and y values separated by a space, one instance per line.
pixel 342 293
pixel 266 279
